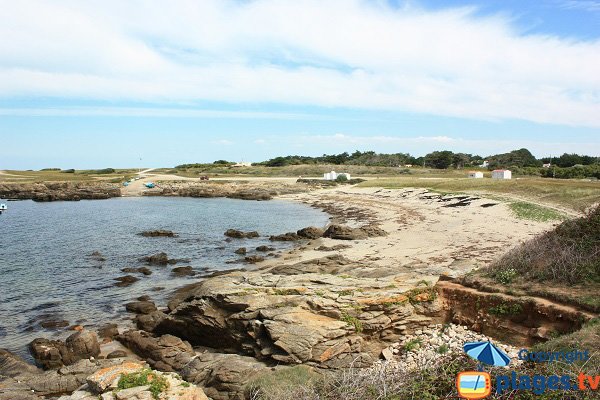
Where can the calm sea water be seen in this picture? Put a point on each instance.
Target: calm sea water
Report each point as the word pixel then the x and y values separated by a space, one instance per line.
pixel 46 269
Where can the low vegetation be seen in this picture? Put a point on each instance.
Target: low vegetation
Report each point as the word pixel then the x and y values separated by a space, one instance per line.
pixel 569 254
pixel 535 212
pixel 384 382
pixel 157 384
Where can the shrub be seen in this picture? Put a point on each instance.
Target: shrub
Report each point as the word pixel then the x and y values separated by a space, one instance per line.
pixel 341 178
pixel 569 254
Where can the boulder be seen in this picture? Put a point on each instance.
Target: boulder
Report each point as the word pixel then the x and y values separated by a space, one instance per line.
pixel 236 234
pixel 141 270
pixel 265 248
pixel 166 353
pixel 254 259
pixel 286 237
pixel 241 250
pixel 124 281
pixel 342 232
pixel 183 271
pixel 141 307
pixel 52 354
pixel 158 233
pixel 54 324
pixel 311 232
pixel 108 331
pixel 83 344
pixel 157 259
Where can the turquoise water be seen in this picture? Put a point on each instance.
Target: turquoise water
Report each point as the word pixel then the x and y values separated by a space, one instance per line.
pixel 46 270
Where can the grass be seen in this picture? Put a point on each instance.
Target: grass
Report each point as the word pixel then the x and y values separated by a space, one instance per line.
pixel 11 176
pixel 570 194
pixel 156 383
pixel 353 321
pixel 506 309
pixel 413 344
pixel 535 212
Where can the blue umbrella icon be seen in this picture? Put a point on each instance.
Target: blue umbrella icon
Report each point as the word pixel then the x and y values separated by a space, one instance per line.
pixel 487 353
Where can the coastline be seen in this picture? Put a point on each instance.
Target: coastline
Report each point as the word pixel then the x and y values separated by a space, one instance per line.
pixel 328 302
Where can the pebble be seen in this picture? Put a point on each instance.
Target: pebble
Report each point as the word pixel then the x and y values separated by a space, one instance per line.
pixel 430 344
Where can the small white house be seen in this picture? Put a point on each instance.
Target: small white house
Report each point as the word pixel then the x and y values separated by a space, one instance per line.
pixel 485 164
pixel 242 164
pixel 332 176
pixel 475 174
pixel 546 165
pixel 501 174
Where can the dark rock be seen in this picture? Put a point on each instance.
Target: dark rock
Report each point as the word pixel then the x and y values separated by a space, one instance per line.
pixel 54 324
pixel 148 322
pixel 234 233
pixel 157 259
pixel 142 270
pixel 141 307
pixel 158 233
pixel 52 354
pixel 12 365
pixel 54 191
pixel 144 298
pixel 311 232
pixel 83 345
pixel 286 237
pixel 183 271
pixel 125 281
pixel 96 255
pixel 108 331
pixel 241 250
pixel 116 354
pixel 254 259
pixel 265 248
pixel 342 232
pixel 166 353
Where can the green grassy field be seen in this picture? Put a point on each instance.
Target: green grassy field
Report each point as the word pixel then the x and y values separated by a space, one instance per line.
pixel 11 176
pixel 566 193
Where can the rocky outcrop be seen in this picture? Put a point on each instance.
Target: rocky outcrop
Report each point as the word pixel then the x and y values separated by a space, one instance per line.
pixel 286 237
pixel 53 191
pixel 158 233
pixel 235 190
pixel 157 259
pixel 310 232
pixel 21 381
pixel 329 312
pixel 141 307
pixel 236 234
pixel 342 232
pixel 124 281
pixel 52 354
pixel 223 376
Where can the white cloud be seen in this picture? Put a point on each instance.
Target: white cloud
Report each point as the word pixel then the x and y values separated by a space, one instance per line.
pixel 223 142
pixel 339 53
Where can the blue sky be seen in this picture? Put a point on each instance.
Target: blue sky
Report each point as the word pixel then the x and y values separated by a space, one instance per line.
pixel 90 85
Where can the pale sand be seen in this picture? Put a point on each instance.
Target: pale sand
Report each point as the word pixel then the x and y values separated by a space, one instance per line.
pixel 425 239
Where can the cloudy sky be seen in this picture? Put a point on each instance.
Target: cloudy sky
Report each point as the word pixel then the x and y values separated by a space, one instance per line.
pixel 105 83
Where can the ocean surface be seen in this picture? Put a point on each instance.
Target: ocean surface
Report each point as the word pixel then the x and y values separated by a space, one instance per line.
pixel 47 271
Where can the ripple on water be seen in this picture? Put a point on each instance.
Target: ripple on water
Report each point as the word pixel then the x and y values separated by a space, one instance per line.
pixel 47 271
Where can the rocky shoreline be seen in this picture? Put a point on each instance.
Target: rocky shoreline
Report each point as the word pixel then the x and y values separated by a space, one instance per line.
pixel 59 191
pixel 345 297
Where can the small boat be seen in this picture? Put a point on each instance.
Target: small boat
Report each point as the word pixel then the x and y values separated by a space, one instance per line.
pixel 125 183
pixel 150 185
pixel 3 207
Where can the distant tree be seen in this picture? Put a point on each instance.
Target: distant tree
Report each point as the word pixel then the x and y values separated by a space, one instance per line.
pixel 459 160
pixel 515 158
pixel 222 162
pixel 439 159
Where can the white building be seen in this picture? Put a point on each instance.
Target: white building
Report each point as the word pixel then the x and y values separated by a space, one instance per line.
pixel 546 165
pixel 484 164
pixel 475 174
pixel 501 174
pixel 332 176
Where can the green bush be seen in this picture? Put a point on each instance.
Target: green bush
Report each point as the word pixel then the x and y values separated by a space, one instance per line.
pixel 156 383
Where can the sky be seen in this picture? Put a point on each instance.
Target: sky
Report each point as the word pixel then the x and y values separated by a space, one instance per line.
pixel 156 84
